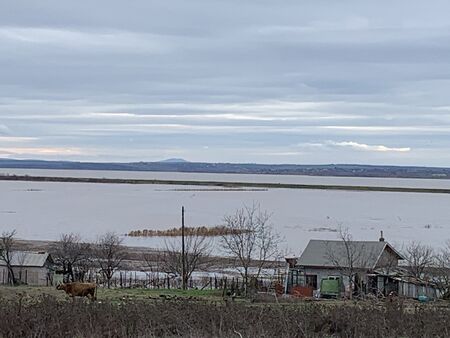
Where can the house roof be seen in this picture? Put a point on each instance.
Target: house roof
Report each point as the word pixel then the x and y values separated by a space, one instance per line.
pixel 28 259
pixel 331 254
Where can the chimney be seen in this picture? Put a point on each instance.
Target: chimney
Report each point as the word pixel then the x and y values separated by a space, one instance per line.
pixel 381 236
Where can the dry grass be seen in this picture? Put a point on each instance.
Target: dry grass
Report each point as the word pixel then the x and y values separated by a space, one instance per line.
pixel 25 314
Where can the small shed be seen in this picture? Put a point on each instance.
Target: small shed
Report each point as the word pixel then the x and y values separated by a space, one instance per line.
pixel 31 268
pixel 400 282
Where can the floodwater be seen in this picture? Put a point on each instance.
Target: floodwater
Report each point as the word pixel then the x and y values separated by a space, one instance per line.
pixel 44 210
pixel 261 178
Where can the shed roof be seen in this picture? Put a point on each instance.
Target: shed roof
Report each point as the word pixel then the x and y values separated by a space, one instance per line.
pixel 330 254
pixel 28 259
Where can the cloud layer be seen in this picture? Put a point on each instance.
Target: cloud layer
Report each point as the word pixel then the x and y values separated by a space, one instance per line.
pixel 315 82
pixel 367 147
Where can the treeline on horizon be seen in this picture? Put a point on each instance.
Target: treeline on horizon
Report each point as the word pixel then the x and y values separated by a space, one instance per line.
pixel 342 170
pixel 214 231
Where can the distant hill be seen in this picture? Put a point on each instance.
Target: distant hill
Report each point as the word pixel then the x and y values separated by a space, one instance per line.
pixel 180 165
pixel 174 160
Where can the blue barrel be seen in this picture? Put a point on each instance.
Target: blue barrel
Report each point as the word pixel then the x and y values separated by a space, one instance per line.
pixel 422 298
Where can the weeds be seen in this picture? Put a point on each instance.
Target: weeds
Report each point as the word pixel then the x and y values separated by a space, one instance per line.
pixel 47 316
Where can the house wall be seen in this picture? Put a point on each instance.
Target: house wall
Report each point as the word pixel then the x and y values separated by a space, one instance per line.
pixel 3 275
pixel 35 276
pixel 411 290
pixel 387 259
pixel 322 273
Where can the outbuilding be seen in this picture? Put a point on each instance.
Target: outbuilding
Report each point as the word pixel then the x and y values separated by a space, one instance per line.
pixel 30 268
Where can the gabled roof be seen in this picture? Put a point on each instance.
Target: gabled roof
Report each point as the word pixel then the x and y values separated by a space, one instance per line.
pixel 330 254
pixel 28 259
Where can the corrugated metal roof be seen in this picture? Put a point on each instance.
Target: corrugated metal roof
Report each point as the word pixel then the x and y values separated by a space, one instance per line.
pixel 330 254
pixel 27 258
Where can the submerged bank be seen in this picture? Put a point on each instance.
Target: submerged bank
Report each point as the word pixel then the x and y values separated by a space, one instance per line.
pixel 228 185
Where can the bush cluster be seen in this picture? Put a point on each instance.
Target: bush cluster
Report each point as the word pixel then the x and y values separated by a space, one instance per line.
pixel 48 317
pixel 189 231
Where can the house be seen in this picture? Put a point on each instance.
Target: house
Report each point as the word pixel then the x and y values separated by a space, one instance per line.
pixel 31 268
pixel 360 267
pixel 325 258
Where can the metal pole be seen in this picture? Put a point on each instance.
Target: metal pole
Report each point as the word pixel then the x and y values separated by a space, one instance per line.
pixel 183 253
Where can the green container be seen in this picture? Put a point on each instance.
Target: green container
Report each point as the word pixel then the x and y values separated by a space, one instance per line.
pixel 330 287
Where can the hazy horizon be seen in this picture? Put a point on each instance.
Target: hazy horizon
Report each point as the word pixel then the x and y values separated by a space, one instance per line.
pixel 168 160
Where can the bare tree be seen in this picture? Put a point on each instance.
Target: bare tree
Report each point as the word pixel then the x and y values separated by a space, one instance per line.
pixel 441 271
pixel 73 255
pixel 419 257
pixel 7 243
pixel 110 254
pixel 350 258
pixel 197 250
pixel 251 240
pixel 153 268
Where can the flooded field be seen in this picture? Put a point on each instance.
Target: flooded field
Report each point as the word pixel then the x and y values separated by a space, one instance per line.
pixel 44 210
pixel 252 178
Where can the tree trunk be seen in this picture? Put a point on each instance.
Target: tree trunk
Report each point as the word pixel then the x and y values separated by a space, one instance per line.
pixel 246 281
pixel 70 271
pixel 11 274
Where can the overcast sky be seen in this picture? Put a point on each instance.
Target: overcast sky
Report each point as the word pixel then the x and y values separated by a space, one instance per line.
pixel 226 81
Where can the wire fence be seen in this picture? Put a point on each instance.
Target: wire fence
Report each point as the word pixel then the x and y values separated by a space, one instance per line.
pixel 132 279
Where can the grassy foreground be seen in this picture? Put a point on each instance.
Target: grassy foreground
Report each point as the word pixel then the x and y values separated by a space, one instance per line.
pixel 104 294
pixel 43 312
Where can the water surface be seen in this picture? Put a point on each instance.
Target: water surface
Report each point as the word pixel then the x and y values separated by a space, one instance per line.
pixel 44 210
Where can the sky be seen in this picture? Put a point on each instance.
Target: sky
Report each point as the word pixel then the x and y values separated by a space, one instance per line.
pixel 306 82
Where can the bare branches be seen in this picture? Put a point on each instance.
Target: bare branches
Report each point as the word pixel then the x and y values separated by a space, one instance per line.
pixel 418 257
pixel 73 255
pixel 197 251
pixel 441 271
pixel 349 257
pixel 251 239
pixel 110 254
pixel 7 243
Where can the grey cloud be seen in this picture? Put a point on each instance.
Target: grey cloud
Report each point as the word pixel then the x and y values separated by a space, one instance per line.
pixel 214 80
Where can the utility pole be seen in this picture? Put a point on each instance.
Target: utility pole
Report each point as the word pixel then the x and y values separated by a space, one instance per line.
pixel 183 253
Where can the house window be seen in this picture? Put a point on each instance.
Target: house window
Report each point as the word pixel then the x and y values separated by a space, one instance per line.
pixel 311 281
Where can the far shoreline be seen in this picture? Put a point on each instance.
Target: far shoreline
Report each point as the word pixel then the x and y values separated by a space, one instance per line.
pixel 222 184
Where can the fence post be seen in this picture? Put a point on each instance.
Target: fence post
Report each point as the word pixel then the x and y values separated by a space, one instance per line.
pixel 224 286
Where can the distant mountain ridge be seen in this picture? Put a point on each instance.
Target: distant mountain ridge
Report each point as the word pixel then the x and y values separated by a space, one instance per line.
pixel 180 165
pixel 174 160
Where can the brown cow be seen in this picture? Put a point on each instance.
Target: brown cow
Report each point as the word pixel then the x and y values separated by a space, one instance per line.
pixel 77 289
